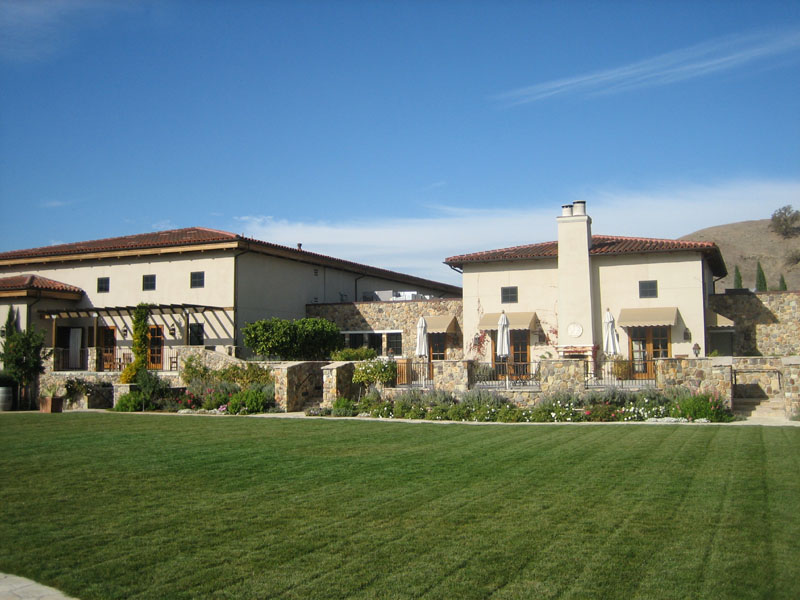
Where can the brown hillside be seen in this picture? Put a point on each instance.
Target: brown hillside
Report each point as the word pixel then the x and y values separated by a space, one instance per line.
pixel 747 242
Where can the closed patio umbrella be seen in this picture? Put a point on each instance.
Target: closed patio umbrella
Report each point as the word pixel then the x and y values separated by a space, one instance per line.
pixel 610 343
pixel 422 338
pixel 504 341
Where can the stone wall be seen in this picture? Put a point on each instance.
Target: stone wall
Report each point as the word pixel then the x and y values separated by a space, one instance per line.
pixel 337 382
pixel 791 385
pixel 766 323
pixel 562 376
pixel 395 316
pixel 452 376
pixel 700 375
pixel 298 384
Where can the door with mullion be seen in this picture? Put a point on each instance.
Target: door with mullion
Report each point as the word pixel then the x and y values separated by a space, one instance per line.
pixel 646 344
pixel 155 348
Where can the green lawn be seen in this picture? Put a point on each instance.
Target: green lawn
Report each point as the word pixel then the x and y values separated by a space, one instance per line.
pixel 151 506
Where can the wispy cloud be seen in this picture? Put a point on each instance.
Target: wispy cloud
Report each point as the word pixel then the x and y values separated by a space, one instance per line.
pixel 34 30
pixel 162 225
pixel 703 59
pixel 55 204
pixel 419 245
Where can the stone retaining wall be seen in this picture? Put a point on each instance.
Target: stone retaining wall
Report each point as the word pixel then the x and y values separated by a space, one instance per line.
pixel 395 316
pixel 298 384
pixel 700 375
pixel 791 385
pixel 337 382
pixel 766 323
pixel 562 376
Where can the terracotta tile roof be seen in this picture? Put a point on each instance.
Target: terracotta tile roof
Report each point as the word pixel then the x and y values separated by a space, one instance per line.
pixel 602 245
pixel 157 239
pixel 191 236
pixel 35 282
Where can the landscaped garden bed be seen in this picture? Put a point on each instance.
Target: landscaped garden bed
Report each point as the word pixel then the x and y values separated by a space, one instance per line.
pixel 674 404
pixel 105 505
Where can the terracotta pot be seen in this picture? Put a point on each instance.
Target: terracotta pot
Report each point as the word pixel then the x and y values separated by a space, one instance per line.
pixel 49 404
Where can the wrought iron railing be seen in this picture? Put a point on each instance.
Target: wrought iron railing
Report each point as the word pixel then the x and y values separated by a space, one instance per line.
pixel 111 359
pixel 627 373
pixel 507 374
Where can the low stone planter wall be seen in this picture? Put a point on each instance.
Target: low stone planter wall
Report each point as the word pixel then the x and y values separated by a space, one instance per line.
pixel 337 382
pixel 298 384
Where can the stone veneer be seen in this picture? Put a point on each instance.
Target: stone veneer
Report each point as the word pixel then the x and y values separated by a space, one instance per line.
pixel 791 385
pixel 395 316
pixel 337 382
pixel 766 323
pixel 298 384
pixel 700 375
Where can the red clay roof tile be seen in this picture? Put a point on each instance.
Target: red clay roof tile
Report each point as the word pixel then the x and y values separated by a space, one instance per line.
pixel 602 245
pixel 35 282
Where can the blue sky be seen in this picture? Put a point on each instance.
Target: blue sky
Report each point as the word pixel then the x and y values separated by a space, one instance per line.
pixel 394 133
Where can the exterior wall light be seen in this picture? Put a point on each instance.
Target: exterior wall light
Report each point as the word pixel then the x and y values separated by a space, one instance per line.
pixel 696 349
pixel 124 331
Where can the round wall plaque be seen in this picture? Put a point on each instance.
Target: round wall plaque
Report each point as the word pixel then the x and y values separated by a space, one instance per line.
pixel 574 330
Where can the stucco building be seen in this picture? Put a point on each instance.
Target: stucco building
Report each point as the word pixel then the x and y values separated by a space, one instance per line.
pixel 557 294
pixel 204 285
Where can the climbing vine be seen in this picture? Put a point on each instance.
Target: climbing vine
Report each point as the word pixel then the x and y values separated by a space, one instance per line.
pixel 141 317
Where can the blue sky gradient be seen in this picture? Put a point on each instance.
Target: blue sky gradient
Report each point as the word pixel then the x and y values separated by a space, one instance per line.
pixel 397 133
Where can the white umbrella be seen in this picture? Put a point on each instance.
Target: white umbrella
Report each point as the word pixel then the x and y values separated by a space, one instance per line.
pixel 610 343
pixel 503 341
pixel 422 338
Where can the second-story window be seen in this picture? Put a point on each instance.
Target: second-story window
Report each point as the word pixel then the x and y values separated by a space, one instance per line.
pixel 648 289
pixel 103 285
pixel 148 282
pixel 197 279
pixel 508 295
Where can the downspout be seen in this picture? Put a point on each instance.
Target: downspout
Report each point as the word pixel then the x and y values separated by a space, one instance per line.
pixel 235 299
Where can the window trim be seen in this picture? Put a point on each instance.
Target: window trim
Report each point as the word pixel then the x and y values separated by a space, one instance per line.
pixel 506 294
pixel 648 288
pixel 107 286
pixel 145 286
pixel 201 275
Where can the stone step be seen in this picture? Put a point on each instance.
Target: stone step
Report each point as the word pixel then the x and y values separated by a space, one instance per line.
pixel 760 408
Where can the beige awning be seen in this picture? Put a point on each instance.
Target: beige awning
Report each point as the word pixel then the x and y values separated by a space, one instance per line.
pixel 648 317
pixel 519 320
pixel 717 320
pixel 440 323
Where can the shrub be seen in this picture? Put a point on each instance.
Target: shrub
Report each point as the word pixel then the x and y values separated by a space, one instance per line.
pixel 354 354
pixel 437 413
pixel 193 369
pixel 375 370
pixel 784 221
pixel 318 411
pixel 622 369
pixel 152 387
pixel 701 406
pixel 132 402
pixel 438 397
pixel 218 393
pixel 383 410
pixel 253 400
pixel 343 407
pixel 245 376
pixel 304 339
pixel 368 401
pixel 509 413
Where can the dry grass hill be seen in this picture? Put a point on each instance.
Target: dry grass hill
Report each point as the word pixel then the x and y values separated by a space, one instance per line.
pixel 747 242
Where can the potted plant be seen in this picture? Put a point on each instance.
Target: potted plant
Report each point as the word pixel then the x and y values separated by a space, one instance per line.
pixel 7 384
pixel 51 400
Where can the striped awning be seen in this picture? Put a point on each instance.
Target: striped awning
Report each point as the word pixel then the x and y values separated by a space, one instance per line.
pixel 440 323
pixel 518 320
pixel 716 320
pixel 648 317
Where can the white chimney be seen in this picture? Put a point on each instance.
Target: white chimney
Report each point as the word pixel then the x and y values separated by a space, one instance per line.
pixel 575 299
pixel 566 210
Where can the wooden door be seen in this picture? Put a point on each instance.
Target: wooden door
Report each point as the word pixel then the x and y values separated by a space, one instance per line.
pixel 437 343
pixel 108 350
pixel 520 356
pixel 645 345
pixel 155 348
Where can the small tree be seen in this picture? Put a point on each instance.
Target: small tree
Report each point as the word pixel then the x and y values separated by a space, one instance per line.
pixel 23 357
pixel 304 339
pixel 782 285
pixel 737 278
pixel 141 334
pixel 761 279
pixel 784 221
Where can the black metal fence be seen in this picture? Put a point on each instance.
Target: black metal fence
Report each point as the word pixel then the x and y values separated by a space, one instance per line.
pixel 621 373
pixel 507 374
